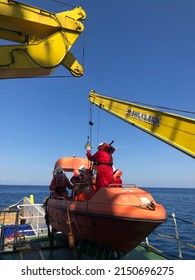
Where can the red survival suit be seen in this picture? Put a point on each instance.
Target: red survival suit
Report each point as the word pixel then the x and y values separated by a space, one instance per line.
pixel 103 160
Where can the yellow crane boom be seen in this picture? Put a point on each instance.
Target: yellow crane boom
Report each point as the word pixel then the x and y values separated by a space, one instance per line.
pixel 45 40
pixel 175 130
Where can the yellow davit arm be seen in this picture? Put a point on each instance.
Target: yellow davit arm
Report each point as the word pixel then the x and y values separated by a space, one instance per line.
pixel 46 40
pixel 175 130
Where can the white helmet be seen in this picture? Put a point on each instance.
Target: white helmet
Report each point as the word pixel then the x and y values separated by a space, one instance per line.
pixel 59 169
pixel 100 144
pixel 82 168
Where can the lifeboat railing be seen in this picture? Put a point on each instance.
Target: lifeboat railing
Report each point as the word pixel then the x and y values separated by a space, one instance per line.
pixel 122 185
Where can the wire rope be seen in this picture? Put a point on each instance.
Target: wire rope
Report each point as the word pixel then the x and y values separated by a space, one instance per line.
pixel 158 106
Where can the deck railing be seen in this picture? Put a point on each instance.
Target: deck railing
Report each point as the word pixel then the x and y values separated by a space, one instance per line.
pixel 178 245
pixel 19 222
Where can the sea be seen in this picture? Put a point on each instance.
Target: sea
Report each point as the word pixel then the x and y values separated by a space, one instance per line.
pixel 179 202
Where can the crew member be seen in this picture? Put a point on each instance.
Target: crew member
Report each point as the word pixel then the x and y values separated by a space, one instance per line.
pixel 103 160
pixel 79 181
pixel 59 184
pixel 81 177
pixel 117 178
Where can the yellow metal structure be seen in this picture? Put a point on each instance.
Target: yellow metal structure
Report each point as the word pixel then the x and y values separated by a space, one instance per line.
pixel 177 131
pixel 45 40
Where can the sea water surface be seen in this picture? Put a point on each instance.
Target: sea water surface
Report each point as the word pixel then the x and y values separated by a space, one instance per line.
pixel 180 201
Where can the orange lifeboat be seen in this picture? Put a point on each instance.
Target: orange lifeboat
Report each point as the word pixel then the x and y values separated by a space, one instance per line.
pixel 117 218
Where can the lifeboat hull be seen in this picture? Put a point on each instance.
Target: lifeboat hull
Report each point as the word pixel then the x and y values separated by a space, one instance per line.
pixel 117 218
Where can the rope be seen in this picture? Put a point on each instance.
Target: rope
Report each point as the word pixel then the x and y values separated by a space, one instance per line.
pixel 90 123
pixel 173 237
pixel 69 222
pixel 165 236
pixel 160 107
pixel 63 3
pixel 166 108
pixel 185 221
pixel 98 130
pixel 188 244
pixel 86 228
pixel 70 234
pixel 47 218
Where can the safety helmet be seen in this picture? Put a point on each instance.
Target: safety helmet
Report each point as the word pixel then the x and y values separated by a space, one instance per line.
pixel 59 169
pixel 100 144
pixel 82 168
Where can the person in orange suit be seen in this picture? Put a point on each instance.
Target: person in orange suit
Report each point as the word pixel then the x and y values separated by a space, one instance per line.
pixel 59 184
pixel 79 181
pixel 80 178
pixel 103 160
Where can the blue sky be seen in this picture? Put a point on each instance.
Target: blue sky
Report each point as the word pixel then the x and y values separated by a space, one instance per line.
pixel 134 50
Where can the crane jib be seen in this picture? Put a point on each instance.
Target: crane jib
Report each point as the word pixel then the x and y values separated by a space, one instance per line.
pixel 175 130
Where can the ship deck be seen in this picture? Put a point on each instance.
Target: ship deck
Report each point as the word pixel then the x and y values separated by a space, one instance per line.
pixel 41 249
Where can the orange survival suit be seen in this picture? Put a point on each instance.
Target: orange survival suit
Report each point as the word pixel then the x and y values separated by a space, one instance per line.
pixel 59 184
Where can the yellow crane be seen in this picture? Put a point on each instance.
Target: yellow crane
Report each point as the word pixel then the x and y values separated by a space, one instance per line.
pixel 175 130
pixel 44 38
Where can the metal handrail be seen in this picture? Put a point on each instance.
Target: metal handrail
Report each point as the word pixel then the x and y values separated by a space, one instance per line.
pixel 175 237
pixel 32 214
